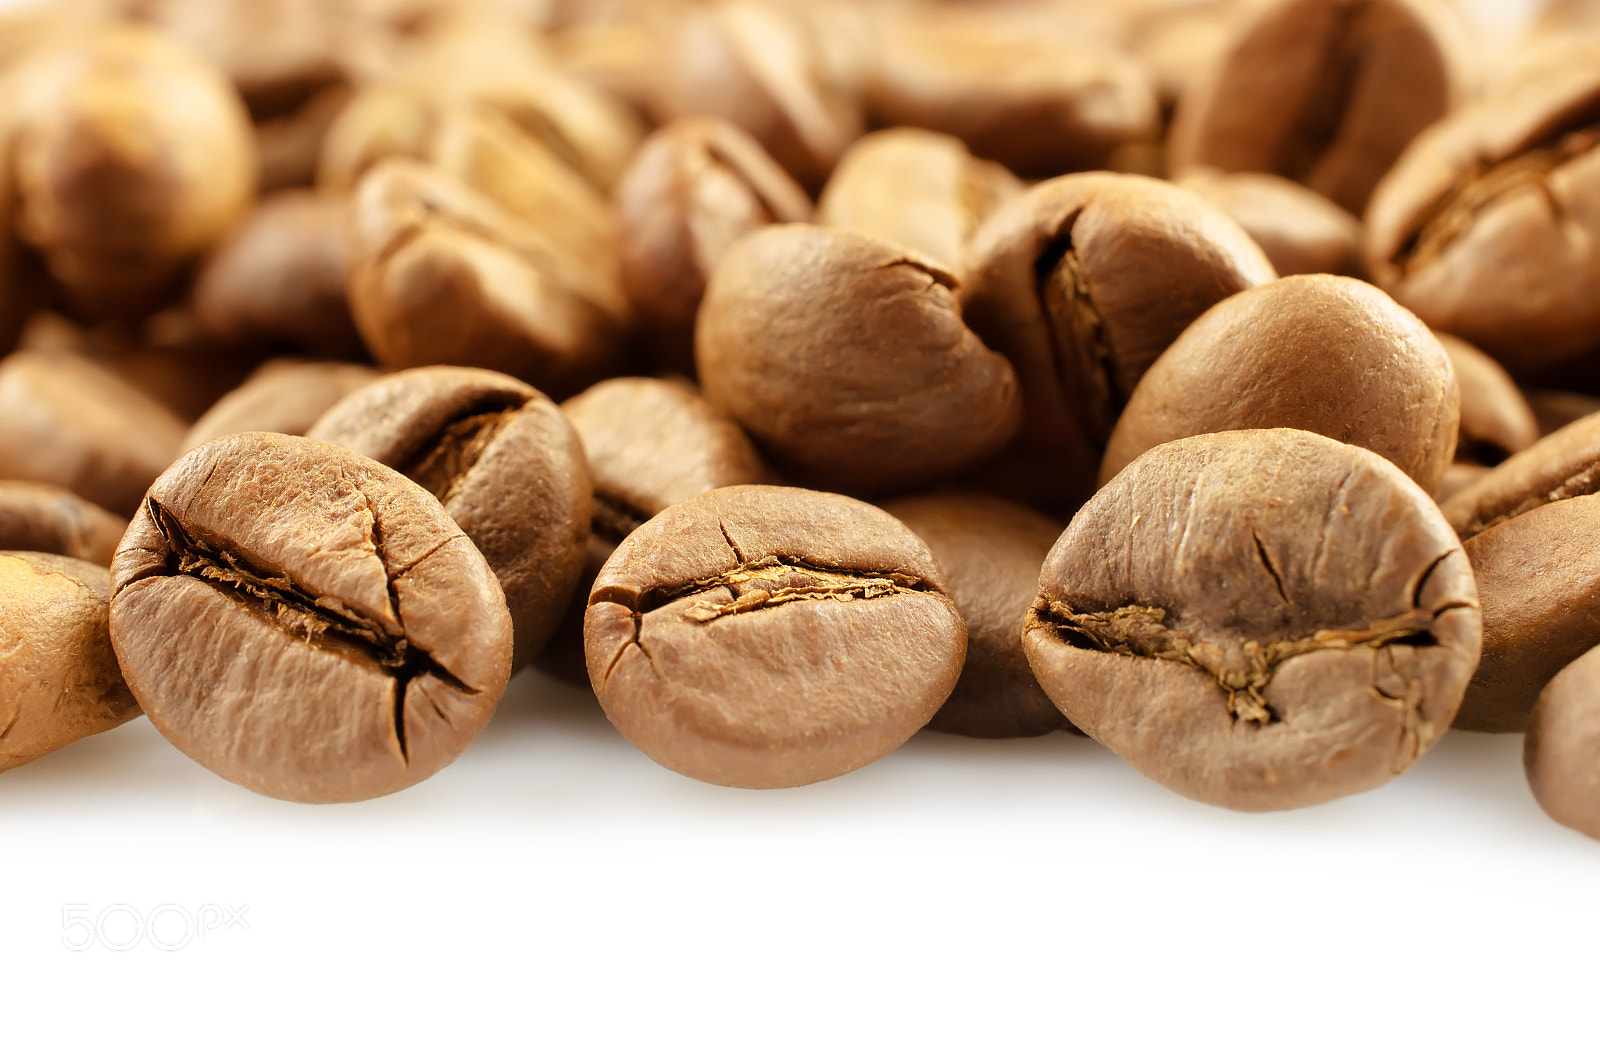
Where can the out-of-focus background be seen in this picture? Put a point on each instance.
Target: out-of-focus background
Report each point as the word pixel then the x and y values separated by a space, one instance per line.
pixel 556 892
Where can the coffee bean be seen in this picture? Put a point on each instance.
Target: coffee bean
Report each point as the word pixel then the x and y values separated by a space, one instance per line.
pixel 277 282
pixel 1561 752
pixel 1258 619
pixel 846 359
pixel 66 421
pixel 132 157
pixel 47 518
pixel 60 681
pixel 1481 229
pixel 306 622
pixel 504 463
pixel 1495 418
pixel 442 275
pixel 1322 353
pixel 755 66
pixel 990 551
pixel 1531 528
pixel 1300 231
pixel 1081 283
pixel 695 187
pixel 1308 90
pixel 920 189
pixel 1036 101
pixel 760 636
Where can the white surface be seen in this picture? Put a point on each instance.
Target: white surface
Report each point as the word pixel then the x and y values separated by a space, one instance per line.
pixel 554 890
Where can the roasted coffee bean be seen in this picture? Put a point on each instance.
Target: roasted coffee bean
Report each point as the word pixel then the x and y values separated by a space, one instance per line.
pixel 1484 228
pixel 1532 531
pixel 590 133
pixel 1324 92
pixel 1258 619
pixel 47 518
pixel 1495 418
pixel 278 281
pixel 280 397
pixel 1082 283
pixel 920 189
pixel 1458 477
pixel 1328 354
pixel 760 636
pixel 695 187
pixel 131 157
pixel 306 622
pixel 845 357
pixel 60 681
pixel 289 147
pixel 1561 752
pixel 66 421
pixel 504 463
pixel 755 66
pixel 1300 231
pixel 1038 102
pixel 441 275
pixel 990 551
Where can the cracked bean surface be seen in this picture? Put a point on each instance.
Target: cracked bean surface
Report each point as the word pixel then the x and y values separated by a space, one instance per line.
pixel 1259 619
pixel 764 636
pixel 305 621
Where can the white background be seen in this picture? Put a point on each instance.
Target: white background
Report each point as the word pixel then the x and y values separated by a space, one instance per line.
pixel 555 891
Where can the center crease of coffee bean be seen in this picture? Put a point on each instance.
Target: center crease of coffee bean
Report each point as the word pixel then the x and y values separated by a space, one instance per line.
pixel 441 464
pixel 1482 187
pixel 614 518
pixel 1081 349
pixel 1242 668
pixel 1584 483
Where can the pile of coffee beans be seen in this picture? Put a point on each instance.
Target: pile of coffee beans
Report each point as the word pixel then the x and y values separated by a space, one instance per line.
pixel 1215 379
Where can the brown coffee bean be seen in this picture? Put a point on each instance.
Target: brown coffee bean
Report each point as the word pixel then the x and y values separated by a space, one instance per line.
pixel 47 518
pixel 1458 477
pixel 1300 231
pixel 132 157
pixel 280 397
pixel 755 66
pixel 289 147
pixel 1082 283
pixel 846 358
pixel 441 275
pixel 589 132
pixel 1495 418
pixel 1038 102
pixel 60 681
pixel 759 636
pixel 277 282
pixel 695 187
pixel 1561 752
pixel 1531 527
pixel 1557 467
pixel 1483 228
pixel 1258 619
pixel 920 189
pixel 66 421
pixel 504 463
pixel 990 551
pixel 1327 354
pixel 1324 92
pixel 306 622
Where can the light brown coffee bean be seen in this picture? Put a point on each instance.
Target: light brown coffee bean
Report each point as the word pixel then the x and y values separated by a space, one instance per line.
pixel 1300 231
pixel 46 518
pixel 1561 752
pixel 280 397
pixel 60 681
pixel 1259 619
pixel 1328 354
